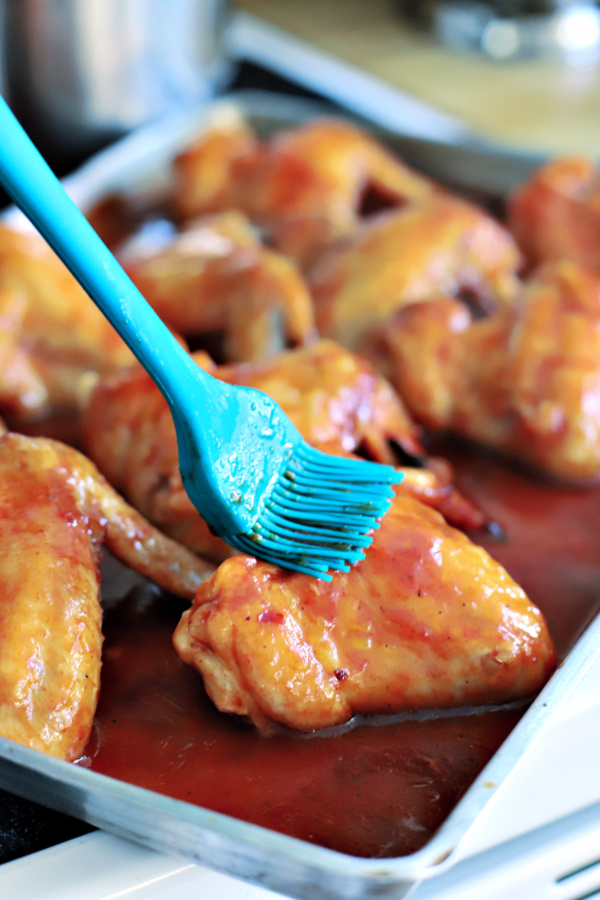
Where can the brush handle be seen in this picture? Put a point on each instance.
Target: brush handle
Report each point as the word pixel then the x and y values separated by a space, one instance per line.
pixel 34 188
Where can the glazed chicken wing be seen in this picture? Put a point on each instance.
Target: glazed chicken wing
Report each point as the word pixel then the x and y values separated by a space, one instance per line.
pixel 215 276
pixel 525 381
pixel 211 174
pixel 442 245
pixel 306 186
pixel 556 214
pixel 53 339
pixel 56 511
pixel 335 399
pixel 426 620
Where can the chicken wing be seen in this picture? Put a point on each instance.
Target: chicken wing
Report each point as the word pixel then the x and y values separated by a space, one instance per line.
pixel 441 245
pixel 426 620
pixel 211 174
pixel 56 511
pixel 53 339
pixel 555 215
pixel 214 276
pixel 306 187
pixel 524 380
pixel 334 398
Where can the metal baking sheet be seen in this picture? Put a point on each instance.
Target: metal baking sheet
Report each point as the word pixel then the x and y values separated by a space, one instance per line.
pixel 236 847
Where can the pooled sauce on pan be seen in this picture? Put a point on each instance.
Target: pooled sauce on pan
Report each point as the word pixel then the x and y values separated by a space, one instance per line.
pixel 379 788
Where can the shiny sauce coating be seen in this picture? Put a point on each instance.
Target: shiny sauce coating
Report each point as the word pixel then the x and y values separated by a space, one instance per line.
pixel 379 788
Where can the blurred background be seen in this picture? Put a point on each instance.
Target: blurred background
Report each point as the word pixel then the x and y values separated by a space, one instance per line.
pixel 523 72
pixel 80 73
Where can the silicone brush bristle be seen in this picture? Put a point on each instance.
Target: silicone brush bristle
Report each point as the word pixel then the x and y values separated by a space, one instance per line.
pixel 321 513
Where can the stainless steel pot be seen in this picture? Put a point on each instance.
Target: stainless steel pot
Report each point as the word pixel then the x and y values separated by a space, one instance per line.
pixel 81 72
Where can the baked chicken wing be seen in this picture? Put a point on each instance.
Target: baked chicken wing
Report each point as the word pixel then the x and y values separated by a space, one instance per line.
pixel 555 215
pixel 215 277
pixel 211 174
pixel 525 380
pixel 426 620
pixel 53 339
pixel 56 511
pixel 441 245
pixel 335 399
pixel 306 186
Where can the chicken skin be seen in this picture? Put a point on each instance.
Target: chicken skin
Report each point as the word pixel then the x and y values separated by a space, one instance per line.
pixel 306 186
pixel 56 511
pixel 442 245
pixel 426 620
pixel 214 276
pixel 335 399
pixel 555 215
pixel 525 381
pixel 211 173
pixel 53 339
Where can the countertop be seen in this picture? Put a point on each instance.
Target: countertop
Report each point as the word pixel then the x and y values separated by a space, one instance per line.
pixel 541 104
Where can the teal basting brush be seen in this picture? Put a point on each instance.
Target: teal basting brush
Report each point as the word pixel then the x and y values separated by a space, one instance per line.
pixel 244 465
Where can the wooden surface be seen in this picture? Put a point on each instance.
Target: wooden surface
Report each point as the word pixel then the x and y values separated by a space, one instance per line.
pixel 539 104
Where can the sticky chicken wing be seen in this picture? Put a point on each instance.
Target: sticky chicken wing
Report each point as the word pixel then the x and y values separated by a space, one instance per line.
pixel 306 186
pixel 426 620
pixel 525 381
pixel 56 511
pixel 442 245
pixel 335 399
pixel 211 174
pixel 215 277
pixel 556 214
pixel 53 339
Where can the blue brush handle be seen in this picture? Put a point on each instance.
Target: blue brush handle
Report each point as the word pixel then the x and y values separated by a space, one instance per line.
pixel 32 185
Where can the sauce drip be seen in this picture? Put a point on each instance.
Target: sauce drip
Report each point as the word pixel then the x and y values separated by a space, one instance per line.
pixel 376 789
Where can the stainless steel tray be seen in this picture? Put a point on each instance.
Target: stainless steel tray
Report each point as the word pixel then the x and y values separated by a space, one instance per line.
pixel 248 851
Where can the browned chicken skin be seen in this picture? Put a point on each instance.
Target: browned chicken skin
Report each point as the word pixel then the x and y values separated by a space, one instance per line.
pixel 555 215
pixel 209 175
pixel 335 399
pixel 53 339
pixel 525 381
pixel 305 186
pixel 441 245
pixel 56 511
pixel 426 620
pixel 214 276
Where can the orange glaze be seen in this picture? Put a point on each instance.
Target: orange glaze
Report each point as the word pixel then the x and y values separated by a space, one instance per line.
pixel 377 790
pixel 56 511
pixel 427 620
pixel 551 537
pixel 369 791
pixel 50 636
